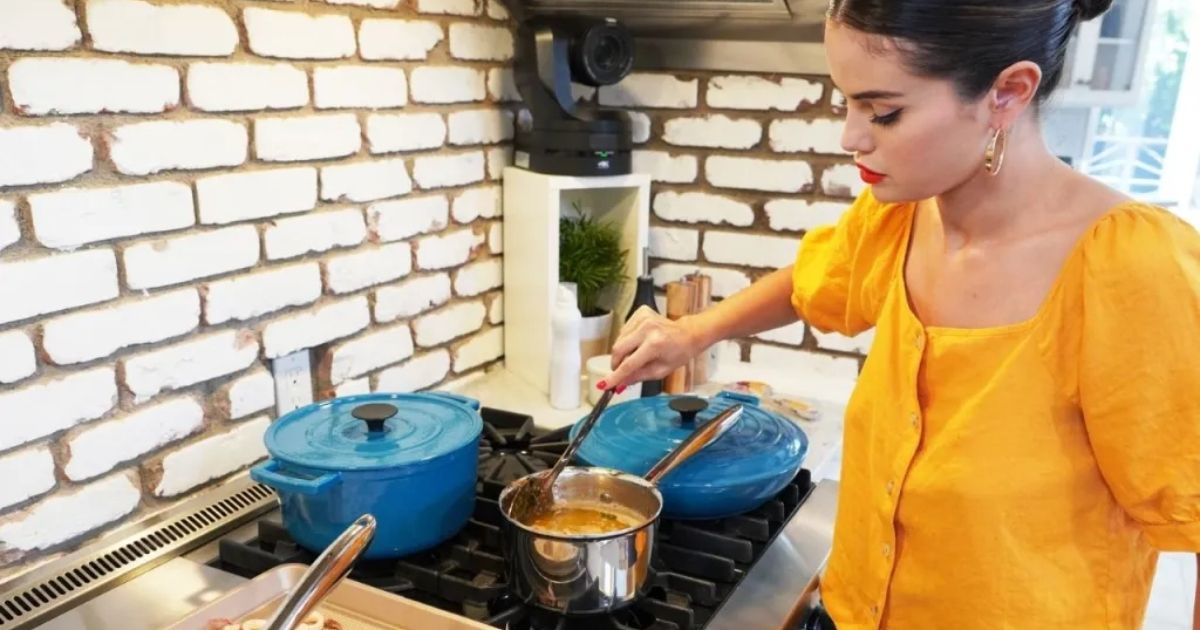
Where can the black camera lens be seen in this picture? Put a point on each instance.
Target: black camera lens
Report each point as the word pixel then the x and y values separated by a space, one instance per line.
pixel 602 54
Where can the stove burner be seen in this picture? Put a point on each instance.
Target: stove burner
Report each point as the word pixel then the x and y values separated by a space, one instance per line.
pixel 511 447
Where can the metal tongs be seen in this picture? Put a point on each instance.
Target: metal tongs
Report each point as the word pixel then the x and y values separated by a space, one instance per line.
pixel 324 575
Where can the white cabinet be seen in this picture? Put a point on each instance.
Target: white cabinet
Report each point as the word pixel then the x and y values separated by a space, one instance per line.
pixel 1106 59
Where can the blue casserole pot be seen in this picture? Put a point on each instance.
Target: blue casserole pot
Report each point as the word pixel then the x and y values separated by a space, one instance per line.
pixel 407 459
pixel 758 456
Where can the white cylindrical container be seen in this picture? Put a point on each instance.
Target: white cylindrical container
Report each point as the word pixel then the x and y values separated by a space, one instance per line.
pixel 564 352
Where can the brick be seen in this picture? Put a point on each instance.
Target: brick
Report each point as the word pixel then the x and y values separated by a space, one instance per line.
pixel 133 26
pixel 842 180
pixel 496 310
pixel 833 341
pixel 642 89
pixel 233 197
pixel 248 394
pixel 802 362
pixel 449 323
pixel 17 359
pixel 792 334
pixel 350 272
pixel 377 4
pixel 355 387
pixel 68 218
pixel 837 101
pixel 674 243
pixel 86 86
pixel 796 215
pixel 477 42
pixel 639 127
pixel 697 207
pixel 318 232
pixel 790 176
pixel 807 136
pixel 295 35
pixel 315 327
pixel 667 168
pixel 497 10
pixel 170 261
pixel 359 86
pixel 199 359
pixel 726 282
pixel 498 158
pixel 398 40
pixel 43 154
pixel 241 87
pixel 417 374
pixel 68 515
pixel 496 238
pixel 388 133
pixel 481 126
pixel 717 131
pixel 307 137
pixel 475 203
pixel 482 348
pixel 411 297
pixel 100 448
pixel 369 353
pixel 449 7
pixel 153 147
pixel 438 171
pixel 479 277
pixel 439 85
pixel 58 404
pixel 10 230
pixel 446 250
pixel 48 284
pixel 750 250
pixel 398 220
pixel 254 295
pixel 37 25
pixel 213 457
pixel 27 474
pixel 502 85
pixel 365 181
pixel 761 93
pixel 98 333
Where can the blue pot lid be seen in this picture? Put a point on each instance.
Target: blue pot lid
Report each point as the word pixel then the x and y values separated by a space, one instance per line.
pixel 634 435
pixel 375 431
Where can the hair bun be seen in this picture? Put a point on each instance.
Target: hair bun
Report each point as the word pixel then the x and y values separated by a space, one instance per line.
pixel 1091 9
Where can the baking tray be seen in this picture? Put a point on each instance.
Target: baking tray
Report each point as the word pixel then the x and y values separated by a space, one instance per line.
pixel 356 606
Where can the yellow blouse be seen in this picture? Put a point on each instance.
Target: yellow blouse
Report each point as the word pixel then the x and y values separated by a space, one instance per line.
pixel 1020 476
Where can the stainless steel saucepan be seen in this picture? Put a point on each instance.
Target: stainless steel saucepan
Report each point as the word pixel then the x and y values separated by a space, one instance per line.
pixel 596 573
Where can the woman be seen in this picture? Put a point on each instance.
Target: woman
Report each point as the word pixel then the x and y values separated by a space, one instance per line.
pixel 1025 435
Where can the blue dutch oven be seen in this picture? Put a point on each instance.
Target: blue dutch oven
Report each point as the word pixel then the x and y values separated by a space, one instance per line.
pixel 745 468
pixel 407 459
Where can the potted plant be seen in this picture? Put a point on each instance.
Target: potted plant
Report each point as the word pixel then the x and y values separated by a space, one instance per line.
pixel 591 258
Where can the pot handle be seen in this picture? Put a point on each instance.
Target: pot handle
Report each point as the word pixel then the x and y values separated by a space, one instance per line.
pixel 740 397
pixel 458 398
pixel 270 474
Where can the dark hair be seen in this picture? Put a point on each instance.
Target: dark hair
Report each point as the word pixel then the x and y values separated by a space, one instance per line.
pixel 970 42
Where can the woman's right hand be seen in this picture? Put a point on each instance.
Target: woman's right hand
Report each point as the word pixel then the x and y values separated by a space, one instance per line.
pixel 651 346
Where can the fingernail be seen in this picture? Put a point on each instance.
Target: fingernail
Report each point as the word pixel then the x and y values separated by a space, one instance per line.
pixel 602 385
pixel 621 389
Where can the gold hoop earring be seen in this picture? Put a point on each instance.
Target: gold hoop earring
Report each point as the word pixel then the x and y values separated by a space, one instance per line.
pixel 993 157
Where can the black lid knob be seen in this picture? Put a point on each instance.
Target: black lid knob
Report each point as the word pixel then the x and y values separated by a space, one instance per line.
pixel 374 414
pixel 688 407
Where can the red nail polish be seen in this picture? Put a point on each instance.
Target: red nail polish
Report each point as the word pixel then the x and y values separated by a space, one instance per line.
pixel 602 385
pixel 621 390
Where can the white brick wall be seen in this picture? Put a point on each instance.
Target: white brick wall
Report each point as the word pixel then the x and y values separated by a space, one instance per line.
pixel 475 203
pixel 640 126
pixel 790 176
pixel 48 284
pixel 85 86
pixel 365 181
pixel 306 137
pixel 842 180
pixel 497 159
pixel 833 341
pixel 140 27
pixel 795 214
pixel 496 10
pixel 479 277
pixel 200 359
pixel 378 4
pixel 353 387
pixel 369 353
pixel 318 232
pixel 26 473
pixel 68 218
pixel 16 358
pixel 449 7
pixel 164 262
pixel 98 449
pixel 93 334
pixel 350 272
pixel 449 323
pixel 359 86
pixel 761 93
pixel 10 231
pixel 482 348
pixel 800 362
pixel 398 39
pixel 447 84
pixel 256 294
pixel 482 126
pixel 315 327
pixel 716 131
pixel 696 207
pixel 295 35
pixel 213 457
pixel 417 374
pixel 256 194
pixel 496 310
pixel 726 282
pixel 808 136
pixel 651 90
pixel 42 154
pixel 57 404
pixel 397 220
pixel 151 147
pixel 444 251
pixel 666 168
pixel 231 87
pixel 248 394
pixel 37 25
pixel 674 243
pixel 502 85
pixel 792 334
pixel 495 238
pixel 438 171
pixel 751 250
pixel 388 133
pixel 411 297
pixel 67 515
pixel 478 42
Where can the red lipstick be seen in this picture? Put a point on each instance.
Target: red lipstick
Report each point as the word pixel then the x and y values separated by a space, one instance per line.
pixel 869 176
